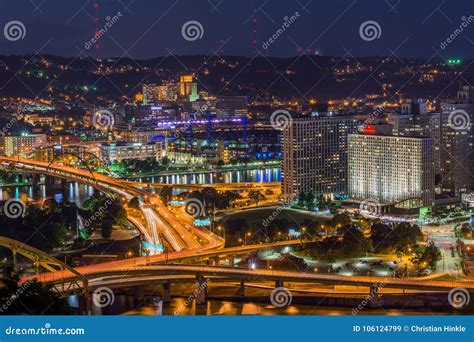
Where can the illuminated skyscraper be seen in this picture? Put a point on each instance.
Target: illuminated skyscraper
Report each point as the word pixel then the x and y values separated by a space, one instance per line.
pixel 188 88
pixel 315 155
pixel 391 169
pixel 457 140
pixel 150 94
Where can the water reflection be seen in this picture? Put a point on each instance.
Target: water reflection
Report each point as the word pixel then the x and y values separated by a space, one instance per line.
pixel 124 305
pixel 272 174
pixel 59 191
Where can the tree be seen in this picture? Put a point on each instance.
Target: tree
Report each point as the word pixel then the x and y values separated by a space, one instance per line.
pixel 116 212
pixel 309 200
pixel 466 231
pixel 134 203
pixel 165 161
pixel 301 198
pixel 379 233
pixel 46 236
pixel 256 196
pixel 426 256
pixel 354 243
pixel 394 238
pixel 166 194
pixel 30 297
pixel 106 228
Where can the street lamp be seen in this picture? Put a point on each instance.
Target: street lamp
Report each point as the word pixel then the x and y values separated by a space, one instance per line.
pixel 245 237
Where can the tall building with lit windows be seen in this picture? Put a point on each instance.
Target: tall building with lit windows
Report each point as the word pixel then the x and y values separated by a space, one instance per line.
pixel 188 88
pixel 150 93
pixel 11 145
pixel 457 143
pixel 116 152
pixel 391 169
pixel 315 155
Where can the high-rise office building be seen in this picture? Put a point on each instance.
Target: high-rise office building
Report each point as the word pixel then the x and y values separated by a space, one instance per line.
pixel 150 94
pixel 391 169
pixel 414 121
pixel 457 140
pixel 168 91
pixel 315 155
pixel 188 88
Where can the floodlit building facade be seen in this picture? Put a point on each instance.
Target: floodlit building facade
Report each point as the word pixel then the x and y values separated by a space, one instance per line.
pixel 391 169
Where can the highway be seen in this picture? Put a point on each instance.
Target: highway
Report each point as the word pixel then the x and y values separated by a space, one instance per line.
pixel 141 276
pixel 159 219
pixel 184 239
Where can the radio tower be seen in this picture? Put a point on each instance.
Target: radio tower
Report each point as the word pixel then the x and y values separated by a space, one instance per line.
pixel 254 24
pixel 97 22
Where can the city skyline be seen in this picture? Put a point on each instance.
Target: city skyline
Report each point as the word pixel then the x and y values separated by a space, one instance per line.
pixel 262 165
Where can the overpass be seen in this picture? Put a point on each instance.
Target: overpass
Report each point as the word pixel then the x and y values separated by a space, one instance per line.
pixel 160 219
pixel 137 271
pixel 165 275
pixel 203 253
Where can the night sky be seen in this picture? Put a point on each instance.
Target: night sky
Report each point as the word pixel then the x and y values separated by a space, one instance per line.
pixel 151 28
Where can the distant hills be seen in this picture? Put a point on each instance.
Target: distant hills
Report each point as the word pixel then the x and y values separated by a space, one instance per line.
pixel 299 77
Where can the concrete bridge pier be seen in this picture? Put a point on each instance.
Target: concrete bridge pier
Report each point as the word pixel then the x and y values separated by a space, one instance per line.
pixel 231 262
pixel 241 291
pixel 36 184
pixel 85 306
pixel 201 291
pixel 138 295
pixel 215 261
pixel 166 288
pixel 374 295
pixel 49 180
pixel 63 185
